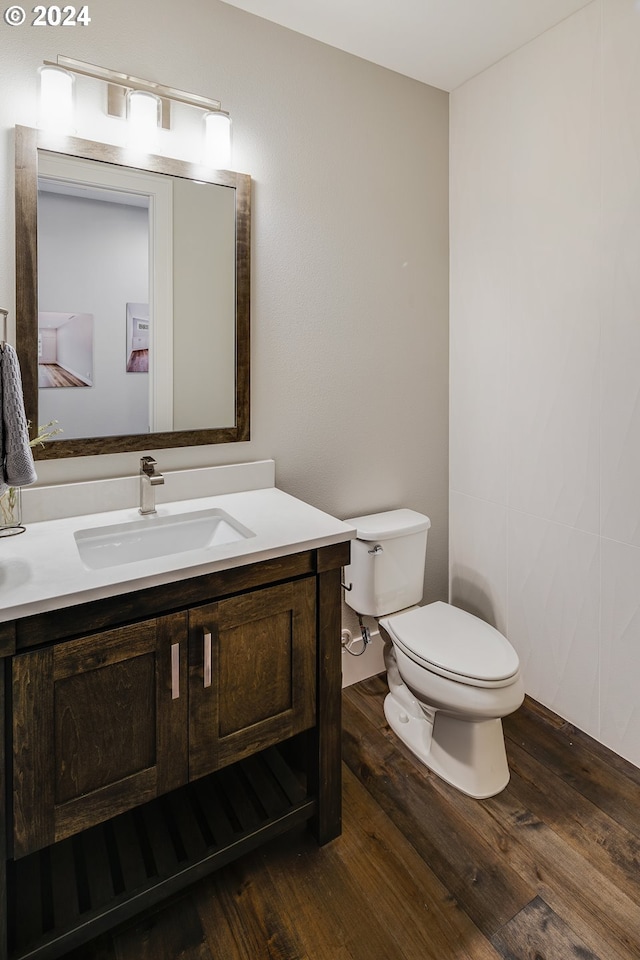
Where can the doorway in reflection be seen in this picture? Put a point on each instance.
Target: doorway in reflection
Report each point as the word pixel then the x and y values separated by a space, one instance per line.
pixel 93 251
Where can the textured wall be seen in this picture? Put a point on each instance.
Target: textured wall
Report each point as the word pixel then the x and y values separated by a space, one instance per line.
pixel 545 354
pixel 350 247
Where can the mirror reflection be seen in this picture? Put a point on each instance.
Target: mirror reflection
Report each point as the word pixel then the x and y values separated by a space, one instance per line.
pixel 141 336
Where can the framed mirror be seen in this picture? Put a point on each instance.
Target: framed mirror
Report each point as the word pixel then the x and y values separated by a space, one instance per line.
pixel 132 297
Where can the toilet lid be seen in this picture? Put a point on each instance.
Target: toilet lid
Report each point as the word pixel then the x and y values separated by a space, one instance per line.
pixel 454 643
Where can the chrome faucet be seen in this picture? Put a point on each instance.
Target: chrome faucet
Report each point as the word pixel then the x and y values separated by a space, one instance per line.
pixel 149 479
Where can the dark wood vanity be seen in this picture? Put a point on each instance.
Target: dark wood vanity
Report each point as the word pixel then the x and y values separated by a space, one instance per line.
pixel 154 736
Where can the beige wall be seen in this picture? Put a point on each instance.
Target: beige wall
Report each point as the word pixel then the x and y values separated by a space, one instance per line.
pixel 350 247
pixel 545 361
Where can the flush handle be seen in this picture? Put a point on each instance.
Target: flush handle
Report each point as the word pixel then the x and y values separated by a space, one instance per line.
pixel 376 550
pixel 207 658
pixel 175 671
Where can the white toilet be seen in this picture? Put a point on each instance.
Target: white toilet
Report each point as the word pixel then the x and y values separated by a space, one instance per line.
pixel 451 676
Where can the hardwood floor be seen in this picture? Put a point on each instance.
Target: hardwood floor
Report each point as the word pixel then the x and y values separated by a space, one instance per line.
pixel 52 375
pixel 547 870
pixel 138 361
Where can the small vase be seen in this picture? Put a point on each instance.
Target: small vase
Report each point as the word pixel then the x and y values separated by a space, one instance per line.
pixel 11 512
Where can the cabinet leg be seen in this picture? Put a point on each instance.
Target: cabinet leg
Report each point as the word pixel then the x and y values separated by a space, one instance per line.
pixel 325 768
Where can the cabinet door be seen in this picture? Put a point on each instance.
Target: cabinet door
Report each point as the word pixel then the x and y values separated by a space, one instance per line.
pixel 252 673
pixel 100 726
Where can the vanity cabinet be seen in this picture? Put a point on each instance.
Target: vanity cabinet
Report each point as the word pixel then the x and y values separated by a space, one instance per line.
pixel 154 736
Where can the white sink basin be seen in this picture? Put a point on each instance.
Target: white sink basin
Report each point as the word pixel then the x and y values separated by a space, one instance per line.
pixel 157 536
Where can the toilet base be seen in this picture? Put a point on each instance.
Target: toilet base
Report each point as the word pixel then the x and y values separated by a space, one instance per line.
pixel 469 755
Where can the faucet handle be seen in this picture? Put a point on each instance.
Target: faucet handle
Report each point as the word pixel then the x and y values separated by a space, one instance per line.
pixel 148 469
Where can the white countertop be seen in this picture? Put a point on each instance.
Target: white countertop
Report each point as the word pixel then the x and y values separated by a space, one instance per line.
pixel 41 569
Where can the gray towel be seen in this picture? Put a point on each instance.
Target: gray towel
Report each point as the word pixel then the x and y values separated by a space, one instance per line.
pixel 16 462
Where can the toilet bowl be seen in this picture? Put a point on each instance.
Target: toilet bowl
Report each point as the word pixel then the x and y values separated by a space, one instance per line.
pixel 451 676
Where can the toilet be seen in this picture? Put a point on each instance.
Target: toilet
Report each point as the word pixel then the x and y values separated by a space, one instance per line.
pixel 451 676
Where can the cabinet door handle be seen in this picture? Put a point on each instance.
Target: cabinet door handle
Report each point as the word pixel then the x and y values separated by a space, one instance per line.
pixel 207 658
pixel 175 671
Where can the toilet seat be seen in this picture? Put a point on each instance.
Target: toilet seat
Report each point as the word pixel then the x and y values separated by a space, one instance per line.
pixel 455 644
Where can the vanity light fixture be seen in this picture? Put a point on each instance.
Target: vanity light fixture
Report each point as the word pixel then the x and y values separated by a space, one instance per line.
pixel 56 99
pixel 123 102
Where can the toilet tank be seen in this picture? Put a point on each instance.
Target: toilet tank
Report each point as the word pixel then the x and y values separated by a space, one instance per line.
pixel 387 561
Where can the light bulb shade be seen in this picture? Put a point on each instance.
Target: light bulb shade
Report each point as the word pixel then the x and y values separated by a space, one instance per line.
pixel 56 99
pixel 144 114
pixel 217 140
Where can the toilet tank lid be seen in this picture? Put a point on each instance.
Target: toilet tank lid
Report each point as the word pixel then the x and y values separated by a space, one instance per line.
pixel 392 523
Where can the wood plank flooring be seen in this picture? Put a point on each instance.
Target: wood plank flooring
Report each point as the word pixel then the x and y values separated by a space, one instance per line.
pixel 138 361
pixel 53 375
pixel 547 870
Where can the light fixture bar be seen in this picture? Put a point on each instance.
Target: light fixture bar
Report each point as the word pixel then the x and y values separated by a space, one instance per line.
pixel 121 83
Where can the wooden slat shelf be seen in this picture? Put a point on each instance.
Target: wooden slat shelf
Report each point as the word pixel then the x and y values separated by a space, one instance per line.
pixel 70 892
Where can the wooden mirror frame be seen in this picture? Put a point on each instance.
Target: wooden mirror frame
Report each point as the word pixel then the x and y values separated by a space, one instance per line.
pixel 28 142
